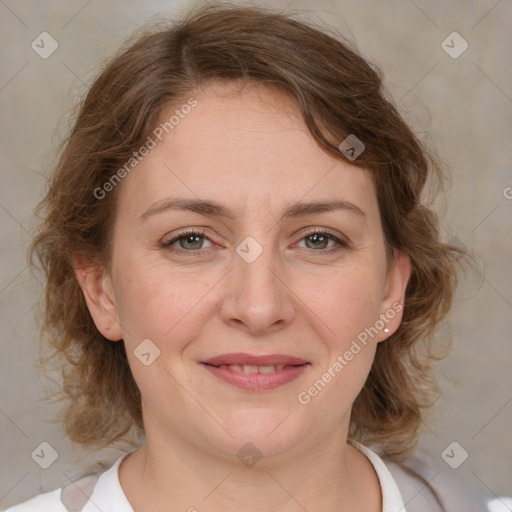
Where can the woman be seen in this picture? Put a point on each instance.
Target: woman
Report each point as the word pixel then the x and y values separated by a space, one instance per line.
pixel 241 271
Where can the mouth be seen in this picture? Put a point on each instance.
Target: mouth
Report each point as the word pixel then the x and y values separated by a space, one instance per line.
pixel 256 372
pixel 249 368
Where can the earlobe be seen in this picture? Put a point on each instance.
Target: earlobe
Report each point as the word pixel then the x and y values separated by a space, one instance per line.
pixel 96 286
pixel 394 296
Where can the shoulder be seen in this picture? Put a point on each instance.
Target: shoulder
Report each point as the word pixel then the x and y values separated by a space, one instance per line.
pixel 47 501
pixel 100 490
pixel 426 485
pixel 70 498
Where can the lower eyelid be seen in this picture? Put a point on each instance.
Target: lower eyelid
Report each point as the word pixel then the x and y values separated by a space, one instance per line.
pixel 333 249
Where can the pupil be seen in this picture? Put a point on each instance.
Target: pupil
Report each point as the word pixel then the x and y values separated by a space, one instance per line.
pixel 316 239
pixel 192 239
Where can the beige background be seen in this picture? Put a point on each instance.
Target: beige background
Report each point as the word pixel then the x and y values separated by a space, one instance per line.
pixel 466 103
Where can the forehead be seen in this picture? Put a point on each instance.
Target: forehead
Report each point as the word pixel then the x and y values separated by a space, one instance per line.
pixel 243 147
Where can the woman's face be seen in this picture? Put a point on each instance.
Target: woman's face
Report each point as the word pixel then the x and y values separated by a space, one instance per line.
pixel 255 282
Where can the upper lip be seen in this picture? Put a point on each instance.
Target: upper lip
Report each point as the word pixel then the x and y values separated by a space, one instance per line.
pixel 248 359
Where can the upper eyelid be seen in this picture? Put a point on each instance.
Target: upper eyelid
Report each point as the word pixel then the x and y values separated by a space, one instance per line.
pixel 190 231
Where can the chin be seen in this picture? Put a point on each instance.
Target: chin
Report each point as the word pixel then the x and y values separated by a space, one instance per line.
pixel 263 428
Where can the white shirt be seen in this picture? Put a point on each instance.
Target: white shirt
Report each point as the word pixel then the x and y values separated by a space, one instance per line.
pixel 108 495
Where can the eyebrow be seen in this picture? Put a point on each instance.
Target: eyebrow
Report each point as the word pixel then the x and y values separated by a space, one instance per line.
pixel 215 209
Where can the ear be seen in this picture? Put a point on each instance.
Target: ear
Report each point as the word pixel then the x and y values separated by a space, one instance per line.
pixel 96 286
pixel 393 300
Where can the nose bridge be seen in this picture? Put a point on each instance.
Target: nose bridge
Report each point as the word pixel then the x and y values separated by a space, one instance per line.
pixel 257 298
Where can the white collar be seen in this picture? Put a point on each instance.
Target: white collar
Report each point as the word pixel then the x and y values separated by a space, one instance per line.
pixel 108 493
pixel 392 500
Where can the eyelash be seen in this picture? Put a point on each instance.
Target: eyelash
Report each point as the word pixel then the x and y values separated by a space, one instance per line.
pixel 342 244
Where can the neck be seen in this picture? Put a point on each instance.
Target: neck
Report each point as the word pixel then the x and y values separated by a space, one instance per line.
pixel 177 476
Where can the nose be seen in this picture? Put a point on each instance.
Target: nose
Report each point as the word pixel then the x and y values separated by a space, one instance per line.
pixel 257 297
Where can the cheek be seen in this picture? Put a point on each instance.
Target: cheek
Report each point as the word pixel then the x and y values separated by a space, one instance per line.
pixel 158 304
pixel 349 305
pixel 348 302
pixel 349 309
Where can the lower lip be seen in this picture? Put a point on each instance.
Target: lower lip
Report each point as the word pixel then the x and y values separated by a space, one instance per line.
pixel 257 381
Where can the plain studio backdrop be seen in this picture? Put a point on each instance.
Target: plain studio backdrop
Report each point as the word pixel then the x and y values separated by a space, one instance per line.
pixel 447 65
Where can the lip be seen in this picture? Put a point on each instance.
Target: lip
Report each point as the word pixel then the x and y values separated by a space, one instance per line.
pixel 293 368
pixel 266 360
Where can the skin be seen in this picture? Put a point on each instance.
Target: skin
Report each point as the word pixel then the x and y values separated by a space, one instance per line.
pixel 249 150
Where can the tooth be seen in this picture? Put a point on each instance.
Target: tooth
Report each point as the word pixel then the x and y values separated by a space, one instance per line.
pixel 250 368
pixel 266 369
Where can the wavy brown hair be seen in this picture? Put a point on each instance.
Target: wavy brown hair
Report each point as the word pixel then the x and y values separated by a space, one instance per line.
pixel 338 93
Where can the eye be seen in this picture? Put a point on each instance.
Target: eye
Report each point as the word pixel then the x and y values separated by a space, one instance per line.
pixel 188 241
pixel 318 240
pixel 191 242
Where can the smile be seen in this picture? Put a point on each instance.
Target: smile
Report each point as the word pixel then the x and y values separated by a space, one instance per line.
pixel 256 373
